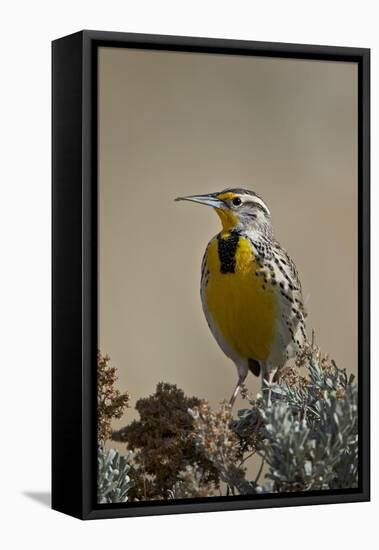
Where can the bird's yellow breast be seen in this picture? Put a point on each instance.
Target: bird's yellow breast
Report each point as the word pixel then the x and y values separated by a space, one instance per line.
pixel 240 305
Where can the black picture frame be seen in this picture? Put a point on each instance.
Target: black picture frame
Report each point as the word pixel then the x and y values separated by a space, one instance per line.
pixel 74 271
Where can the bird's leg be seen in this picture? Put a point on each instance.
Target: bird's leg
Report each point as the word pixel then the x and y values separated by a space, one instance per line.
pixel 241 380
pixel 268 377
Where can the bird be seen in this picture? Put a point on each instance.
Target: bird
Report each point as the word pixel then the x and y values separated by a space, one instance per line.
pixel 250 289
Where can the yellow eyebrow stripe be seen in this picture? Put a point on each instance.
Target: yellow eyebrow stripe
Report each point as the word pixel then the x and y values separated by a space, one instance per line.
pixel 226 196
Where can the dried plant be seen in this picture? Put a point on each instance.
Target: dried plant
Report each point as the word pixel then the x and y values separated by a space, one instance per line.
pixel 111 403
pixel 214 435
pixel 190 484
pixel 306 433
pixel 162 444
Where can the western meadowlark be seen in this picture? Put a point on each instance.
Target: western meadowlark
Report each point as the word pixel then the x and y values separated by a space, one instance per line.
pixel 250 289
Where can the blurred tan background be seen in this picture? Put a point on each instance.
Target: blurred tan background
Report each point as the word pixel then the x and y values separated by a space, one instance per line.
pixel 175 124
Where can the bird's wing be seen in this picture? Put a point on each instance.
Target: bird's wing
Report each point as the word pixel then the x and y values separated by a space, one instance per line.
pixel 279 271
pixel 291 295
pixel 291 276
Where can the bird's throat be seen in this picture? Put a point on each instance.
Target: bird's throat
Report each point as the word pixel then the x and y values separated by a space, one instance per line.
pixel 228 220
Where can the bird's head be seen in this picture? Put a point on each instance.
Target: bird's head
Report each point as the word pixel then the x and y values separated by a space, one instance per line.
pixel 238 209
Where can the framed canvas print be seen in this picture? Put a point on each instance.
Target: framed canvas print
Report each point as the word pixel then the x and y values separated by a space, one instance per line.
pixel 210 274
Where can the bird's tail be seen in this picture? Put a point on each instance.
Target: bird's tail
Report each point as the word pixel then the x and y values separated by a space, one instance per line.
pixel 254 367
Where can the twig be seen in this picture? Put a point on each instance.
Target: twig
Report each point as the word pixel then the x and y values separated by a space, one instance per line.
pixel 259 471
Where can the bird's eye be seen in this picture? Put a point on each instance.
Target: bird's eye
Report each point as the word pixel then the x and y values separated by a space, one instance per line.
pixel 236 201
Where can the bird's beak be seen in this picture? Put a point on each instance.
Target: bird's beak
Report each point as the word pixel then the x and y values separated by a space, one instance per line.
pixel 208 200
